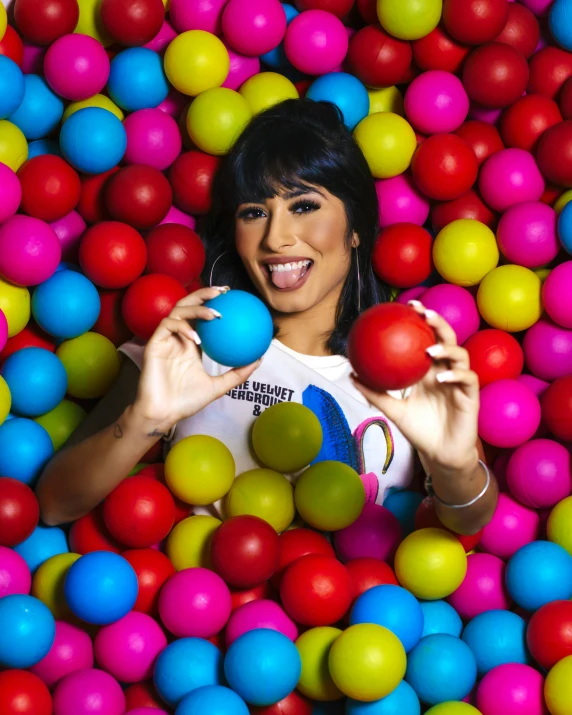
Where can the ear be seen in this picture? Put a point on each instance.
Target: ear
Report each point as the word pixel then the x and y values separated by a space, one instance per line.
pixel 355 240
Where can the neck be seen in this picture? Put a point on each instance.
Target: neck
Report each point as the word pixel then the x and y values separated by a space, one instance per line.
pixel 308 332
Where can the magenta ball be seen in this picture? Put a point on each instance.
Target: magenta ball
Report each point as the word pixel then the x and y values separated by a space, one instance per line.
pixel 33 62
pixel 512 527
pixel 72 650
pixel 509 177
pixel 436 102
pixel 316 42
pixel 376 533
pixel 15 575
pixel 88 692
pixel 175 215
pixel 511 689
pixel 534 383
pixel 538 7
pixel 457 306
pixel 254 27
pixel 241 68
pixel 162 39
pixel 538 473
pixel 411 294
pixel 527 234
pixel 76 67
pixel 483 587
pixel 29 250
pixel 195 602
pixel 259 614
pixel 147 711
pixel 509 414
pixel 10 193
pixel 557 294
pixel 69 230
pixel 197 15
pixel 400 201
pixel 484 114
pixel 548 350
pixel 153 139
pixel 3 331
pixel 174 103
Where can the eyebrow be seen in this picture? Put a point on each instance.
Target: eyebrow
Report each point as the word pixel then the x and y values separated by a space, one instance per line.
pixel 287 196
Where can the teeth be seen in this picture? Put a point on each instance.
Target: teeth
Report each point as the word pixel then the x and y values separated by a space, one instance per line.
pixel 281 267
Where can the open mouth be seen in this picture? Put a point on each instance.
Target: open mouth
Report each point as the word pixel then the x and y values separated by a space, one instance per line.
pixel 288 276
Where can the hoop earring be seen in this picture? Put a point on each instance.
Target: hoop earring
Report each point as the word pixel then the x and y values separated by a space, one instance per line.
pixel 358 283
pixel 213 266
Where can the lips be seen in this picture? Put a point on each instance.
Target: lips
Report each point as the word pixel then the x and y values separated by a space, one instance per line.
pixel 287 275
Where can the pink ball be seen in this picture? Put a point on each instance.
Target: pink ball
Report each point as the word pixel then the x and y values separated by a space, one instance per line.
pixel 88 692
pixel 509 414
pixel 76 67
pixel 533 383
pixel 527 234
pixel 29 250
pixel 153 139
pixel 241 68
pixel 400 201
pixel 254 27
pixel 195 602
pixel 511 689
pixel 33 62
pixel 484 114
pixel 197 15
pixel 557 294
pixel 512 526
pixel 15 575
pixel 538 7
pixel 508 177
pixel 483 587
pixel 457 306
pixel 259 614
pixel 548 350
pixel 376 533
pixel 316 42
pixel 436 102
pixel 10 193
pixel 3 331
pixel 538 473
pixel 69 230
pixel 411 294
pixel 174 104
pixel 175 215
pixel 162 39
pixel 72 650
pixel 147 711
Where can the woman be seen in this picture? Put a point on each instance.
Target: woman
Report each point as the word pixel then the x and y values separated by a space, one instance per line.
pixel 294 220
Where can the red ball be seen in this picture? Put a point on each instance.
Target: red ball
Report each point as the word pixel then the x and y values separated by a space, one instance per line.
pixel 549 634
pixel 112 254
pixel 549 69
pixel 527 119
pixel 377 58
pixel 176 251
pixel 132 22
pixel 387 344
pixel 556 403
pixel 296 543
pixel 110 320
pixel 444 167
pixel 426 518
pixel 469 205
pixel 316 590
pixel 138 195
pixel 90 534
pixel 256 593
pixel 367 572
pixel 148 300
pixel 495 355
pixel 19 512
pixel 153 569
pixel 50 187
pixel 91 206
pixel 521 31
pixel 191 176
pixel 339 8
pixel 402 255
pixel 554 154
pixel 157 471
pixel 30 337
pixel 550 194
pixel 483 138
pixel 495 75
pixel 142 695
pixel 23 693
pixel 566 99
pixel 43 21
pixel 439 51
pixel 11 46
pixel 293 704
pixel 245 551
pixel 475 22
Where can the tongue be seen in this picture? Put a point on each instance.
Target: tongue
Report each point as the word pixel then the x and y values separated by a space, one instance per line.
pixel 286 279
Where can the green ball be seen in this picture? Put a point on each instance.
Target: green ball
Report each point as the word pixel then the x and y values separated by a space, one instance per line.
pixel 287 437
pixel 329 496
pixel 60 422
pixel 263 493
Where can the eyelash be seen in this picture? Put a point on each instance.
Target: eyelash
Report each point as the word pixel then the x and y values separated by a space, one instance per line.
pixel 301 204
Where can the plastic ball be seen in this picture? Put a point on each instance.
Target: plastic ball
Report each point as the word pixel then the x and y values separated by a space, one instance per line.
pixel 37 381
pixel 557 693
pixel 266 89
pixel 296 543
pixel 494 355
pixel 89 534
pixel 196 61
pixel 10 193
pixel 403 504
pixel 189 542
pixel 132 22
pixel 98 100
pixel 243 68
pixel 457 306
pixel 556 408
pixel 25 448
pixel 12 86
pixel 76 67
pixel 88 692
pixel 19 511
pixel 112 254
pixel 549 633
pixel 23 693
pixel 440 617
pixel 191 176
pixel 400 202
pixel 385 99
pixel 148 300
pixel 176 251
pixel 509 177
pixel 483 138
pixel 475 23
pixel 72 651
pixel 565 228
pixel 48 583
pixel 535 225
pixel 216 118
pixel 110 322
pixel 263 493
pixel 521 31
pixel 253 27
pixel 153 138
pixel 44 22
pixel 315 680
pixel 12 46
pixel 524 123
pixel 401 701
pixel 511 688
pixel 376 533
pixel 69 230
pixel 29 631
pixel 483 587
pixel 436 102
pixel 516 412
pixel 196 15
pixel 438 51
pixel 387 142
pixel 444 167
pixel 495 75
pixel 15 575
pixel 137 79
pixel 495 638
pixel 509 298
pixel 66 305
pixel 554 153
pixel 13 145
pixel 346 92
pixel 409 20
pixel 402 254
pixel 138 195
pixel 29 249
pixel 512 526
pixel 44 146
pixel 316 42
pixel 377 58
pixel 260 613
pixel 93 140
pixel 153 569
pixel 213 699
pixel 91 363
pixel 91 206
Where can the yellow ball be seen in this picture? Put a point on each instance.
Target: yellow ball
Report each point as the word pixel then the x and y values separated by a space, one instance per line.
pixel 263 493
pixel 98 100
pixel 15 304
pixel 542 273
pixel 13 145
pixel 196 61
pixel 453 708
pixel 3 21
pixel 510 298
pixel 90 22
pixel 465 251
pixel 387 141
pixel 216 119
pixel 558 687
pixel 409 19
pixel 367 662
pixel 266 89
pixel 92 364
pixel 559 527
pixel 386 99
pixel 62 421
pixel 562 200
pixel 5 400
pixel 189 543
pixel 431 563
pixel 199 469
pixel 314 648
pixel 48 583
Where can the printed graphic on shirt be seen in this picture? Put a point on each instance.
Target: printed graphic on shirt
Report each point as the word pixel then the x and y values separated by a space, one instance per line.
pixel 261 394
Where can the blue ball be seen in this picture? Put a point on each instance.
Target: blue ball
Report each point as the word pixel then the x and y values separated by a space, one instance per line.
pixel 441 668
pixel 404 504
pixel 93 140
pixel 346 92
pixel 101 587
pixel 496 638
pixel 37 380
pixel 565 227
pixel 402 701
pixel 185 665
pixel 137 79
pixel 28 631
pixel 242 335
pixel 538 573
pixel 276 58
pixel 12 87
pixel 44 146
pixel 41 110
pixel 25 448
pixel 43 543
pixel 394 608
pixel 262 666
pixel 560 23
pixel 66 305
pixel 440 617
pixel 214 700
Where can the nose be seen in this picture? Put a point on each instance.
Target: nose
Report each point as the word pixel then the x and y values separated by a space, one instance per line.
pixel 279 233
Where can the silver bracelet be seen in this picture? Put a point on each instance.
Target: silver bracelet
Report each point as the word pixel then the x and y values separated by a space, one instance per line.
pixel 431 491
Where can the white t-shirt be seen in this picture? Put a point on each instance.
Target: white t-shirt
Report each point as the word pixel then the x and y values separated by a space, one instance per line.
pixel 353 432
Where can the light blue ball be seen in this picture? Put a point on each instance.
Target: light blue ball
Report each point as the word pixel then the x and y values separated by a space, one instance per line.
pixel 93 140
pixel 346 92
pixel 28 631
pixel 44 146
pixel 214 700
pixel 185 665
pixel 560 23
pixel 25 448
pixel 41 110
pixel 37 380
pixel 262 666
pixel 565 227
pixel 538 573
pixel 495 638
pixel 66 305
pixel 404 504
pixel 402 701
pixel 43 543
pixel 393 607
pixel 242 335
pixel 137 79
pixel 440 617
pixel 101 587
pixel 441 668
pixel 276 58
pixel 12 86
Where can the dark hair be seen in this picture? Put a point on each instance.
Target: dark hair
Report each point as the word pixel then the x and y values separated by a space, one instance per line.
pixel 294 145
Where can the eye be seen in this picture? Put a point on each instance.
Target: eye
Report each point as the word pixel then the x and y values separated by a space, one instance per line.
pixel 303 206
pixel 250 213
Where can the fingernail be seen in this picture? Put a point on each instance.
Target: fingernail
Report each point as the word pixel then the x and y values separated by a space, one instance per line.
pixel 195 337
pixel 415 303
pixel 435 350
pixel 215 313
pixel 222 289
pixel 430 313
pixel 445 376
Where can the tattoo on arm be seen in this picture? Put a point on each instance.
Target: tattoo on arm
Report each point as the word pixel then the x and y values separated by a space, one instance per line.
pixel 117 431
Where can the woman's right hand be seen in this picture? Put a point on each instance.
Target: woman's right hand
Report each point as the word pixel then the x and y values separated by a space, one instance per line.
pixel 173 383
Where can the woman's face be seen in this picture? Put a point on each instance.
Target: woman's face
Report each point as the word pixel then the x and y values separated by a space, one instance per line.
pixel 294 248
